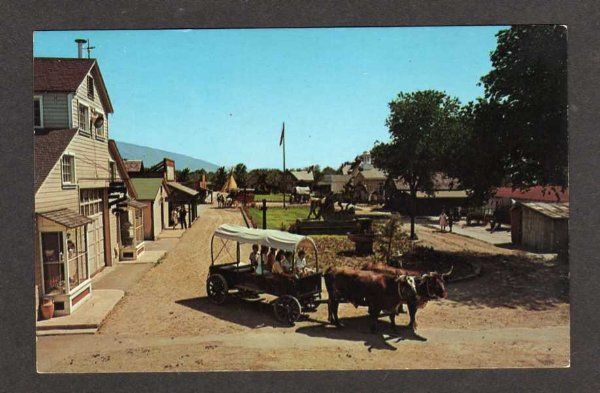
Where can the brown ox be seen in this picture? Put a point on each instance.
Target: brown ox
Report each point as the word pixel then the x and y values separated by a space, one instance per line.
pixel 434 287
pixel 381 291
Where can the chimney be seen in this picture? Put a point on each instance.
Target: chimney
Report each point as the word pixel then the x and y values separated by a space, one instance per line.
pixel 80 43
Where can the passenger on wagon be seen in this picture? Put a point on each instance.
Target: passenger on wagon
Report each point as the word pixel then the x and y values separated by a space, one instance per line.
pixel 277 267
pixel 254 255
pixel 271 259
pixel 286 264
pixel 301 263
pixel 264 250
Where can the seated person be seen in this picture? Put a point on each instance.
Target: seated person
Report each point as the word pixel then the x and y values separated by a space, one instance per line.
pixel 300 267
pixel 261 260
pixel 277 267
pixel 286 264
pixel 254 255
pixel 271 259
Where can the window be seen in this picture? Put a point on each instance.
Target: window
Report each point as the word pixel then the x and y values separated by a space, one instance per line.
pixel 38 120
pixel 100 131
pixel 90 87
pixel 76 257
pixel 53 262
pixel 90 202
pixel 84 118
pixel 68 169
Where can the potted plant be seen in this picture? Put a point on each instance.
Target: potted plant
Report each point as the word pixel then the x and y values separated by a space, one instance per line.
pixel 47 307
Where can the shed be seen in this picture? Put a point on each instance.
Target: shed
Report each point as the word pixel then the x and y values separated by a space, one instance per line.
pixel 540 226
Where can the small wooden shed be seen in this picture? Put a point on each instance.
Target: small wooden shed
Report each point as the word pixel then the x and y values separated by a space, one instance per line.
pixel 540 226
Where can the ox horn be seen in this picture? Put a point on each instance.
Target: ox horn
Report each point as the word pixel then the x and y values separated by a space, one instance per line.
pixel 449 272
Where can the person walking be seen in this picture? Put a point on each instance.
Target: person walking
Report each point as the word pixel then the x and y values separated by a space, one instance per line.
pixel 182 215
pixel 174 217
pixel 443 220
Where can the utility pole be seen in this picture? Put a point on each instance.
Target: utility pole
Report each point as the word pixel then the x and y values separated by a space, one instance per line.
pixel 282 142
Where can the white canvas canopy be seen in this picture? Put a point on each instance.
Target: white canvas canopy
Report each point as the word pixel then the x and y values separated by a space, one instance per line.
pixel 302 190
pixel 265 237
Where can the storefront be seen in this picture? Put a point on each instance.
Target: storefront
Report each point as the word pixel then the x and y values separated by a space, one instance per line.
pixel 131 226
pixel 65 269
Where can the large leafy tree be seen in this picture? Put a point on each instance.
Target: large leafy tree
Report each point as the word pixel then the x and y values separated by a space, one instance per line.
pixel 219 178
pixel 526 97
pixel 240 173
pixel 424 127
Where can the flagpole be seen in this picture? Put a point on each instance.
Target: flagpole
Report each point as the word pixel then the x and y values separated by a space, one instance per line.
pixel 284 177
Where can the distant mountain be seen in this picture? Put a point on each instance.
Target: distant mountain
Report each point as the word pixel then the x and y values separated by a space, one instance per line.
pixel 152 156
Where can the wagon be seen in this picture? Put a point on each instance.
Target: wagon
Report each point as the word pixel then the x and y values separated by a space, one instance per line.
pixel 294 294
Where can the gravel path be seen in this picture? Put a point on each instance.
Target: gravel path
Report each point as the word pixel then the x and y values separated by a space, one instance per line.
pixel 165 323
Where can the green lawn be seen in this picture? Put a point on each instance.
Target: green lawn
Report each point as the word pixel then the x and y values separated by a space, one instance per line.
pixel 270 198
pixel 278 217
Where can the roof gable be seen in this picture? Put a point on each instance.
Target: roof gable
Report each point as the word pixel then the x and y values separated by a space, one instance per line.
pixel 146 188
pixel 65 75
pixel 47 149
pixel 303 176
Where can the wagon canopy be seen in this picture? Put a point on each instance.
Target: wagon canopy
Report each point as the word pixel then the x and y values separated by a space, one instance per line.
pixel 264 237
pixel 302 190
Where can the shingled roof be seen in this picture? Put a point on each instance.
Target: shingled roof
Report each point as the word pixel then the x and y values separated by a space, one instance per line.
pixel 59 75
pixel 47 150
pixel 51 74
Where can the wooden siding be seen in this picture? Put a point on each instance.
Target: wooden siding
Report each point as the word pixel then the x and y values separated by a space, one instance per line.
pixel 56 110
pixel 542 233
pixel 91 171
pixel 147 217
pixel 81 96
pixel 157 213
pixel 114 242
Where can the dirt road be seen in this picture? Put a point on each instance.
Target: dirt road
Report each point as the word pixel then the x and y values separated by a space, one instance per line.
pixel 166 322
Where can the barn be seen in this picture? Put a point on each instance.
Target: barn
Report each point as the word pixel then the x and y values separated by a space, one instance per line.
pixel 540 226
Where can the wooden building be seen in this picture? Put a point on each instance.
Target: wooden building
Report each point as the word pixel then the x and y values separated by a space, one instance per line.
pixel 369 182
pixel 333 183
pixel 540 226
pixel 75 233
pixel 152 193
pixel 445 195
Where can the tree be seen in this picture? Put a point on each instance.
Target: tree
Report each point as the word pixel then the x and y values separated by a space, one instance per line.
pixel 184 175
pixel 317 173
pixel 526 94
pixel 423 126
pixel 219 178
pixel 240 173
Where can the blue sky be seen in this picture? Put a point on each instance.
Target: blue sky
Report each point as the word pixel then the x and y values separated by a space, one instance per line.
pixel 222 95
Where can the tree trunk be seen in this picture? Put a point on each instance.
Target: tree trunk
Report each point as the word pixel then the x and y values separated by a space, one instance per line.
pixel 413 212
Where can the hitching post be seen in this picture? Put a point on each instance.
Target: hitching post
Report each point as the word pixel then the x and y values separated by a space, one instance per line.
pixel 264 210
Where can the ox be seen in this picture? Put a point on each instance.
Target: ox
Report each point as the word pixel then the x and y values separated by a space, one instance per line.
pixel 381 291
pixel 433 289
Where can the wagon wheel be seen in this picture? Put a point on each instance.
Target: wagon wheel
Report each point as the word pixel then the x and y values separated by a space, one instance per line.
pixel 216 288
pixel 310 305
pixel 287 309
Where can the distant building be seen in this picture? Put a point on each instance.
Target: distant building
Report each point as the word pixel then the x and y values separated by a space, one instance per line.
pixel 333 183
pixel 134 166
pixel 505 196
pixel 540 226
pixel 445 195
pixel 302 178
pixel 369 181
pixel 158 187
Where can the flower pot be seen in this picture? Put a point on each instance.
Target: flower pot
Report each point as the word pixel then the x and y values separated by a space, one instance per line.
pixel 47 308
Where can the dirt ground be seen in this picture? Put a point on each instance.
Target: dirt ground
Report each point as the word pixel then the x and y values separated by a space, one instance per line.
pixel 516 314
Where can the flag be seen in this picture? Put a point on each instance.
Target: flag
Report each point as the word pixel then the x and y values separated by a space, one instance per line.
pixel 282 134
